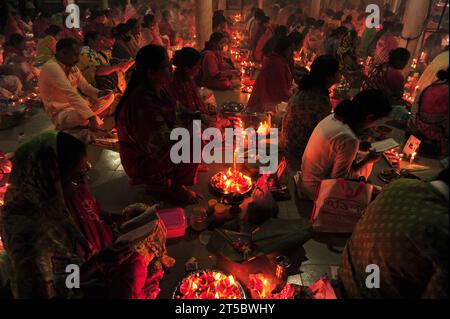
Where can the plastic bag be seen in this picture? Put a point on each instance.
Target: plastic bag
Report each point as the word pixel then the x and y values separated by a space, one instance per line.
pixel 262 205
pixel 339 204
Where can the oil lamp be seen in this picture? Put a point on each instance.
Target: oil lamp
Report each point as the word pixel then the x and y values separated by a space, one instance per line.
pixel 232 181
pixel 209 284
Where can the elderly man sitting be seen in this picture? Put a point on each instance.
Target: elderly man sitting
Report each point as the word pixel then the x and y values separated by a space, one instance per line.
pixel 60 82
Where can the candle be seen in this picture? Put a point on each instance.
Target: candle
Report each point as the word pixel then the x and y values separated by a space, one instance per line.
pixel 220 212
pixel 413 156
pixel 234 159
pixel 423 56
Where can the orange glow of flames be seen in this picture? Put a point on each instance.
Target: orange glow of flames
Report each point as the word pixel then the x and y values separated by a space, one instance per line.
pixel 209 285
pixel 236 18
pixel 5 169
pixel 263 128
pixel 232 181
pixel 247 89
pixel 407 97
pixel 260 285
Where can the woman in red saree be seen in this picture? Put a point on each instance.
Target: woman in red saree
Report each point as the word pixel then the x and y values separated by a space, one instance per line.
pixel 215 74
pixel 51 220
pixel 429 119
pixel 262 36
pixel 150 31
pixel 183 87
pixel 165 26
pixel 145 117
pixel 274 82
pixel 388 77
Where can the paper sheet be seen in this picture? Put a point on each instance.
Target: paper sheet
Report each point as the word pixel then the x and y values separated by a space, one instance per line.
pixel 384 145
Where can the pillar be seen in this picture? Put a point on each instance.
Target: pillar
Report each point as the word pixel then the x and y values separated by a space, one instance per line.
pixel 222 5
pixel 203 21
pixel 315 9
pixel 414 20
pixel 395 5
pixel 261 4
pixel 105 4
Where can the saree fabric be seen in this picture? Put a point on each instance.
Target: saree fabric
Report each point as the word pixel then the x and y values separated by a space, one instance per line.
pixel 346 48
pixel 43 232
pixel 388 80
pixel 186 92
pixel 429 118
pixel 39 236
pixel 144 139
pixel 305 110
pixel 273 84
pixel 212 66
pixel 405 232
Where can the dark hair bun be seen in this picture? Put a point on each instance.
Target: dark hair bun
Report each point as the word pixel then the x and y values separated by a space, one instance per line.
pixel 186 57
pixel 345 108
pixel 442 75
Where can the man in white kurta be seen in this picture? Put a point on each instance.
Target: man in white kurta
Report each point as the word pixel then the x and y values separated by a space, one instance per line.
pixel 60 82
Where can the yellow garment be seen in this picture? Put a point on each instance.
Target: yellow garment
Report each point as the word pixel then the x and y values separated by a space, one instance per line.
pixel 88 64
pixel 46 49
pixel 429 75
pixel 105 57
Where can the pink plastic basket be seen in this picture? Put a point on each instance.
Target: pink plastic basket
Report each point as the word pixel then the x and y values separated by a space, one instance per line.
pixel 174 220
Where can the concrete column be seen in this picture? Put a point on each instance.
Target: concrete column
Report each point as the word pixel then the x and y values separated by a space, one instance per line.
pixel 261 4
pixel 315 9
pixel 203 21
pixel 414 20
pixel 222 5
pixel 105 4
pixel 395 5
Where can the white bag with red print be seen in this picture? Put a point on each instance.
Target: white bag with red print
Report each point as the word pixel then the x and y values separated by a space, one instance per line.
pixel 339 204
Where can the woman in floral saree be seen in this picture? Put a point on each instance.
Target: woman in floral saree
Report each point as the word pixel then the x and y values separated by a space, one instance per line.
pixel 50 220
pixel 145 117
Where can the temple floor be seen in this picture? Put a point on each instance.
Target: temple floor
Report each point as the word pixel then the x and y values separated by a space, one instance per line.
pixel 109 184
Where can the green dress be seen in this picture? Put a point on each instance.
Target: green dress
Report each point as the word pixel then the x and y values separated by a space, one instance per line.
pixel 366 39
pixel 39 236
pixel 404 232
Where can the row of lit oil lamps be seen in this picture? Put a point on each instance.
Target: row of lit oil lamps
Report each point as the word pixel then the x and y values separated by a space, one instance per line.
pixel 399 156
pixel 5 170
pixel 18 100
